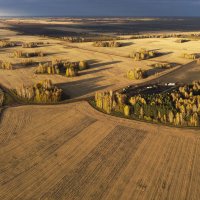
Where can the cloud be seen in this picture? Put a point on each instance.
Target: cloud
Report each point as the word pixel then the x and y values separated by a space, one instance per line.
pixel 100 7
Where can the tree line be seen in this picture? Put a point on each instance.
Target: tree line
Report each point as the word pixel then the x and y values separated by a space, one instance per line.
pixel 180 107
pixel 42 92
pixel 191 56
pixel 107 44
pixel 21 54
pixel 143 54
pixel 70 69
pixel 32 44
pixel 8 44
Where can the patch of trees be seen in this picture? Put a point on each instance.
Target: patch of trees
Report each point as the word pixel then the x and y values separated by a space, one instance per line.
pixel 170 35
pixel 21 54
pixel 180 107
pixel 7 44
pixel 192 56
pixel 82 65
pixel 88 38
pixel 109 101
pixel 32 44
pixel 107 44
pixel 70 69
pixel 154 36
pixel 6 65
pixel 182 40
pixel 53 67
pixel 143 54
pixel 43 92
pixel 136 74
pixel 163 65
pixel 74 39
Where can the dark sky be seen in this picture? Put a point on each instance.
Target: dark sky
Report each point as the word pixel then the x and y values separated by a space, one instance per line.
pixel 100 7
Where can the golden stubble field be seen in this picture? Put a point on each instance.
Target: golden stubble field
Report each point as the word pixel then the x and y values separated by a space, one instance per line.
pixel 108 66
pixel 72 151
pixel 63 152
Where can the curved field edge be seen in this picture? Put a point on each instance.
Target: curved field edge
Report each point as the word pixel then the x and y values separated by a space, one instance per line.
pixel 20 101
pixel 120 115
pixel 90 100
pixel 64 152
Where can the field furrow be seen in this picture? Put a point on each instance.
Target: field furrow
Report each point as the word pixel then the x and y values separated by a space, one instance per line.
pixel 101 167
pixel 145 169
pixel 193 190
pixel 64 153
pixel 63 158
pixel 43 150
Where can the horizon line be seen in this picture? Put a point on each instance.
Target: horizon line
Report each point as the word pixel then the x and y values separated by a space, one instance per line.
pixel 92 16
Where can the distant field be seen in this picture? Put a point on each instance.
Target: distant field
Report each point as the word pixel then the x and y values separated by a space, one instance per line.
pixel 63 152
pixel 186 74
pixel 73 152
pixel 108 66
pixel 103 25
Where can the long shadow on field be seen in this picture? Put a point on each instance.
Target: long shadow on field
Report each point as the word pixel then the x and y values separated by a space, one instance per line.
pixel 160 69
pixel 25 66
pixel 83 87
pixel 93 71
pixel 164 54
pixel 151 72
pixel 92 61
pixel 125 44
pixel 154 49
pixel 96 64
pixel 54 53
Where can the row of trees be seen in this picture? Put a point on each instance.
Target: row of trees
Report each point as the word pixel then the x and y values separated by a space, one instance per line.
pixel 163 65
pixel 136 73
pixel 143 36
pixel 182 40
pixel 192 56
pixel 43 92
pixel 109 101
pixel 53 67
pixel 32 44
pixel 89 38
pixel 143 54
pixel 104 100
pixel 7 44
pixel 61 67
pixel 21 54
pixel 73 39
pixel 167 35
pixel 180 107
pixel 174 108
pixel 155 36
pixel 107 44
